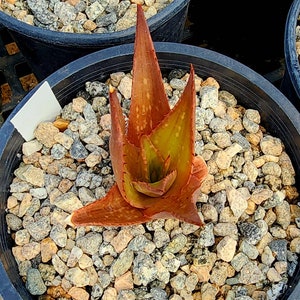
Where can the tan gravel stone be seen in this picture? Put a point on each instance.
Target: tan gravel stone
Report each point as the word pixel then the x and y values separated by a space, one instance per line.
pixel 45 133
pixel 110 294
pixel 121 240
pixel 124 282
pixel 78 293
pixel 48 249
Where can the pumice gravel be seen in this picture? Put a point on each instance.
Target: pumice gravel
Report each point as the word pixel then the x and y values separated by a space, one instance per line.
pixel 79 16
pixel 248 248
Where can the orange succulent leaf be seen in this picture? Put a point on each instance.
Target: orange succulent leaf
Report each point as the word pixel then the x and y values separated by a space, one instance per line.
pixel 174 137
pixel 149 102
pixel 124 155
pixel 117 140
pixel 182 206
pixel 112 210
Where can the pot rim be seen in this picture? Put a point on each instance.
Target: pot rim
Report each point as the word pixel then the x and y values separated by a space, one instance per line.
pixel 291 56
pixel 169 49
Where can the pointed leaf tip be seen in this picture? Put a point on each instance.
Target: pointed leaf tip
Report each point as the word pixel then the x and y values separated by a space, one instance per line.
pixel 149 102
pixel 112 210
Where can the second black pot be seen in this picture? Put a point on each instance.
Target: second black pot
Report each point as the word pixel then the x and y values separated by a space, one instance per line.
pixel 47 50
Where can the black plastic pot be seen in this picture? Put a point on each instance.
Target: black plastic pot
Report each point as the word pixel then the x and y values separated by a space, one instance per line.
pixel 278 115
pixel 290 85
pixel 46 50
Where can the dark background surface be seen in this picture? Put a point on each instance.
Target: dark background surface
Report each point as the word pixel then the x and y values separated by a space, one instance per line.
pixel 251 32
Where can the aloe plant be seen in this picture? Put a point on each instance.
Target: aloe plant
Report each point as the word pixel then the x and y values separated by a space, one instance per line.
pixel 157 174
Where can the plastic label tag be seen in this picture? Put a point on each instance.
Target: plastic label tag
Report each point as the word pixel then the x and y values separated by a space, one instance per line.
pixel 41 107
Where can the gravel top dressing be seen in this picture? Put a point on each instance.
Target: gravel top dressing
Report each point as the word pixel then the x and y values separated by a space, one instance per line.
pixel 79 16
pixel 247 249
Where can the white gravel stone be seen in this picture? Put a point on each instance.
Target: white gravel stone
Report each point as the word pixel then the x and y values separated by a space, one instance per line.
pixel 226 248
pixel 68 202
pixel 77 277
pixel 31 147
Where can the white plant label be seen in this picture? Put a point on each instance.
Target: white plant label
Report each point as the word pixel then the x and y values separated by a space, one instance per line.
pixel 41 107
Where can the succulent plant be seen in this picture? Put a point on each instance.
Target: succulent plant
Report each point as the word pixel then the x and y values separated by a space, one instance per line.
pixel 157 174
